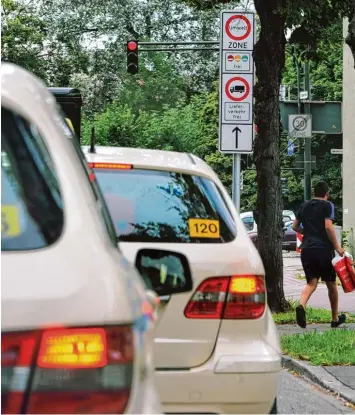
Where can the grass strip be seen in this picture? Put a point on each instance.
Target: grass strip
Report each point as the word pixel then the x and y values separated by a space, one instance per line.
pixel 333 347
pixel 314 315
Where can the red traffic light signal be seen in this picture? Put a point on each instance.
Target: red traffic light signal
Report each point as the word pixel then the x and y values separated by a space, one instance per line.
pixel 132 57
pixel 132 45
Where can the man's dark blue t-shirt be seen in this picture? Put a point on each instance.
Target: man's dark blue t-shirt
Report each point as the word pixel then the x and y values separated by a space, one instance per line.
pixel 312 214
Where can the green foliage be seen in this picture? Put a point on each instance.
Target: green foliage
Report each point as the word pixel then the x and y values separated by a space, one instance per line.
pixel 172 103
pixel 339 350
pixel 22 35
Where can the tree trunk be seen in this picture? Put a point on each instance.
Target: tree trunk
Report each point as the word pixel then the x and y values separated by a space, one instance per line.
pixel 350 39
pixel 269 55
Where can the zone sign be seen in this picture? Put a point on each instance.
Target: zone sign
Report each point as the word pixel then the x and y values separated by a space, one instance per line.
pixel 238 31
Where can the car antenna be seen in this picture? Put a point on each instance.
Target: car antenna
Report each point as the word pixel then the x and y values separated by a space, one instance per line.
pixel 92 140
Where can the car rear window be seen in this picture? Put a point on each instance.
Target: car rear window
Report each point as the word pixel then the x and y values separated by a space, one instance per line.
pixel 31 204
pixel 161 206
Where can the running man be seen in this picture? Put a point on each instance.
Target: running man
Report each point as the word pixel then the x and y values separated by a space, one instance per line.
pixel 318 245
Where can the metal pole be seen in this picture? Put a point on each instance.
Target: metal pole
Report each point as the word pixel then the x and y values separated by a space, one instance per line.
pixel 175 50
pixel 298 87
pixel 307 141
pixel 200 42
pixel 236 180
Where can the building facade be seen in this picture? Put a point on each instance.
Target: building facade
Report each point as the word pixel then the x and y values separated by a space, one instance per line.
pixel 348 142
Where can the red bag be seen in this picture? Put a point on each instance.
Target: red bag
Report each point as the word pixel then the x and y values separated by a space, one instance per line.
pixel 350 265
pixel 340 264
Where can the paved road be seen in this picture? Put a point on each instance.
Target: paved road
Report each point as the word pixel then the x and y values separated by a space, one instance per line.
pixel 293 287
pixel 298 396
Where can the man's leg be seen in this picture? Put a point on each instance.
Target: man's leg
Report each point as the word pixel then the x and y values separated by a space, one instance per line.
pixel 329 276
pixel 310 266
pixel 305 296
pixel 308 291
pixel 333 298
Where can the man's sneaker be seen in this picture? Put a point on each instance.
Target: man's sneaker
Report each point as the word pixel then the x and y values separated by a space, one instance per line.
pixel 301 316
pixel 341 320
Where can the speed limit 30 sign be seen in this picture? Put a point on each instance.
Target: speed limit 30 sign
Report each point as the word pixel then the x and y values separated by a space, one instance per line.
pixel 300 126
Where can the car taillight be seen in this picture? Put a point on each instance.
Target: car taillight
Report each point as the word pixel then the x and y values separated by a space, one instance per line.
pixel 78 370
pixel 17 354
pixel 235 297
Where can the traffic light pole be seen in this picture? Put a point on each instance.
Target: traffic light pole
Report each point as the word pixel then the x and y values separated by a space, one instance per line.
pixel 307 141
pixel 304 108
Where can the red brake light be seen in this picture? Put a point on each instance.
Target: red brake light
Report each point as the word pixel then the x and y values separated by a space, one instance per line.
pixel 73 349
pixel 17 354
pixel 119 166
pixel 79 370
pixel 236 297
pixel 208 299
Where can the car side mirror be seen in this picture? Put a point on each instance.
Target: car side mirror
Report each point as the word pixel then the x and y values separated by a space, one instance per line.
pixel 165 272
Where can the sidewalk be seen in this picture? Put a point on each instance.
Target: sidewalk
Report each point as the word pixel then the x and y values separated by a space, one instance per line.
pixel 293 287
pixel 337 379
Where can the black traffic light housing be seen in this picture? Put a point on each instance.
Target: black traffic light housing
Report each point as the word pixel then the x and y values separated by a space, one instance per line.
pixel 70 101
pixel 132 57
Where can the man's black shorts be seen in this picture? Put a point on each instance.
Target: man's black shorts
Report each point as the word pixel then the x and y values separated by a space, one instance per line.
pixel 317 263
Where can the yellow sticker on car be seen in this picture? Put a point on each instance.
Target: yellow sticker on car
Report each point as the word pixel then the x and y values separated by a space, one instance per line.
pixel 10 221
pixel 204 228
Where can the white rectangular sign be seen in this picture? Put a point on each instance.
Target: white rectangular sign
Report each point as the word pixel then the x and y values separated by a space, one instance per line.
pixel 238 62
pixel 236 82
pixel 300 126
pixel 237 111
pixel 236 138
pixel 336 151
pixel 304 95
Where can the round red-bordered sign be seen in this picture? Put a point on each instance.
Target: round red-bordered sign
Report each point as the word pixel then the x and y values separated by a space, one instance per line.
pixel 246 93
pixel 245 20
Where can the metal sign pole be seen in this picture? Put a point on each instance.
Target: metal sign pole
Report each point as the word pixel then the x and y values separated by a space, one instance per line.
pixel 236 180
pixel 307 142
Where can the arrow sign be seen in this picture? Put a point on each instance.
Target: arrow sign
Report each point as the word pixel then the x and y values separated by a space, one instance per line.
pixel 236 130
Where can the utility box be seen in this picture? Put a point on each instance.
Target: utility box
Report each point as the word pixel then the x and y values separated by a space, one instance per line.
pixel 70 101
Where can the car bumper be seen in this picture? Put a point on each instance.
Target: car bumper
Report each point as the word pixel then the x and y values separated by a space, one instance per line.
pixel 224 384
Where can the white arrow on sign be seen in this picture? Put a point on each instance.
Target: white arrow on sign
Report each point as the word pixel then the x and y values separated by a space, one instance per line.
pixel 236 138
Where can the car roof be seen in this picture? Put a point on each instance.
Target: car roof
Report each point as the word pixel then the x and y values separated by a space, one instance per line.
pixel 20 86
pixel 150 159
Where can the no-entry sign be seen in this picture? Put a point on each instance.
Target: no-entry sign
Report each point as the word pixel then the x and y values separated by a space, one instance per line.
pixel 237 89
pixel 236 130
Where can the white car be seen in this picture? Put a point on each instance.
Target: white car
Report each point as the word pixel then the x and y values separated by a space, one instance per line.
pixel 217 350
pixel 251 226
pixel 76 333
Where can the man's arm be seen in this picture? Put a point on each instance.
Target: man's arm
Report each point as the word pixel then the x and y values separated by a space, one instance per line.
pixel 329 227
pixel 296 226
pixel 332 236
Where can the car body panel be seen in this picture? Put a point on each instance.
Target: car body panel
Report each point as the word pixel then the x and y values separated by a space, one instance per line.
pixel 82 279
pixel 213 366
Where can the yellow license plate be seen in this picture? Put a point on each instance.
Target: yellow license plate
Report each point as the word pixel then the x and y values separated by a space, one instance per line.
pixel 204 228
pixel 10 221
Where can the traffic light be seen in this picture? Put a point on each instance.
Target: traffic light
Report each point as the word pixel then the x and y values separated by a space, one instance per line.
pixel 132 57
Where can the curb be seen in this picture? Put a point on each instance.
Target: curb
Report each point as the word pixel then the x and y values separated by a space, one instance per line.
pixel 320 376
